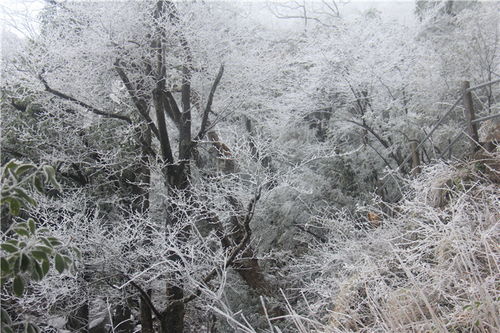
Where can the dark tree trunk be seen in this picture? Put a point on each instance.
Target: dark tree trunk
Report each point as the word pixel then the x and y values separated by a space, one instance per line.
pixel 172 320
pixel 146 315
pixel 78 321
pixel 248 266
pixel 250 271
pixel 121 319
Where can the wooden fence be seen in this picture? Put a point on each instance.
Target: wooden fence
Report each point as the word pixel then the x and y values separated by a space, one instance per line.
pixel 470 129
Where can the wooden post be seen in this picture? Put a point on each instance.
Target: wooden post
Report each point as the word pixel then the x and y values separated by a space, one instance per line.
pixel 469 116
pixel 415 158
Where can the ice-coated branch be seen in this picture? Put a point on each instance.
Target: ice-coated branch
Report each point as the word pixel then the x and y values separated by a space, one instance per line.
pixel 142 292
pixel 173 110
pixel 378 137
pixel 147 299
pixel 204 121
pixel 83 104
pixel 318 237
pixel 139 103
pixel 235 250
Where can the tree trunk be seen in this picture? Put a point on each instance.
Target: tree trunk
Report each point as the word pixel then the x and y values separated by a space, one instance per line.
pixel 250 271
pixel 121 319
pixel 142 205
pixel 146 315
pixel 248 266
pixel 172 320
pixel 78 321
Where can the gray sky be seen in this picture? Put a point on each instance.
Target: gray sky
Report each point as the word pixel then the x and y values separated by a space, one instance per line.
pixel 19 16
pixel 402 11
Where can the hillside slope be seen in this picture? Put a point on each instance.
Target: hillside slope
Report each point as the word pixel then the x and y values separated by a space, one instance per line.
pixel 433 266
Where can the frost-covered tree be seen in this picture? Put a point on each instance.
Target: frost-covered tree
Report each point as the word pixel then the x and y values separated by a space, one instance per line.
pixel 204 155
pixel 123 99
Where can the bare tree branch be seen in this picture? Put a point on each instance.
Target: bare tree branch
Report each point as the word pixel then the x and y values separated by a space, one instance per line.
pixel 144 294
pixel 204 121
pixel 18 106
pixel 173 110
pixel 318 237
pixel 85 105
pixel 237 249
pixel 163 133
pixel 378 137
pixel 147 299
pixel 139 103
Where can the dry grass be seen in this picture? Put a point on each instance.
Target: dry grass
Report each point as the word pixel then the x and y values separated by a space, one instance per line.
pixel 432 267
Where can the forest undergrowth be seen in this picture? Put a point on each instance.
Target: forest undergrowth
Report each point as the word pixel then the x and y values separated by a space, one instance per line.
pixel 431 265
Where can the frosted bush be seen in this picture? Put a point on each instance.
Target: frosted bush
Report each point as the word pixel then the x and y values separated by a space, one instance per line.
pixel 432 266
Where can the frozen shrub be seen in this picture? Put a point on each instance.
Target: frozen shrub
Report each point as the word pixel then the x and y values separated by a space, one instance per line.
pixel 432 266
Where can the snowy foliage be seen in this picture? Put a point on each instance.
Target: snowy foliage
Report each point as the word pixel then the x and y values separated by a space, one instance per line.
pixel 259 177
